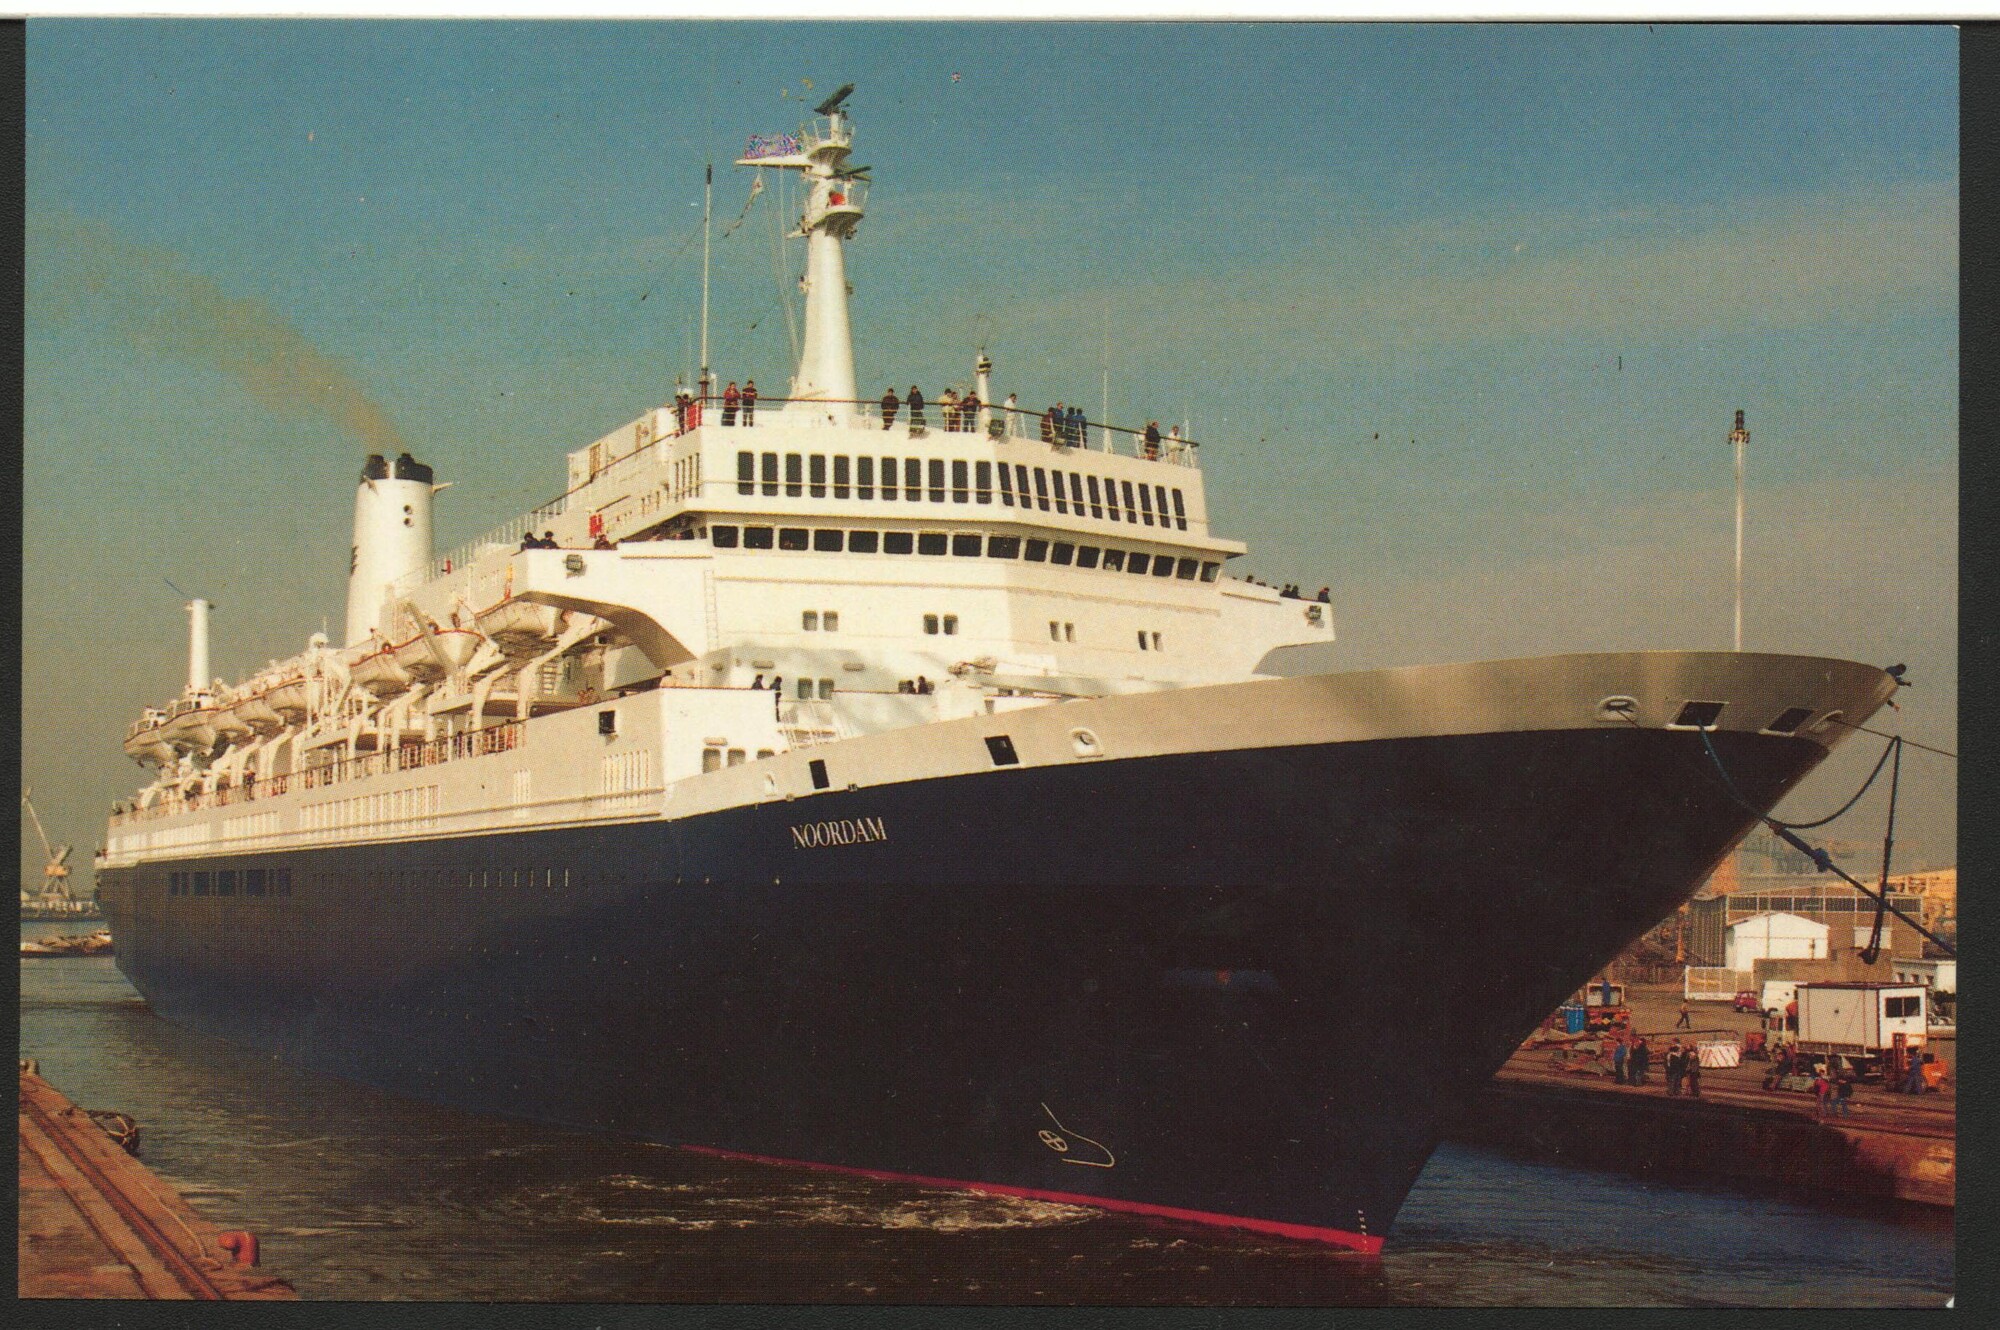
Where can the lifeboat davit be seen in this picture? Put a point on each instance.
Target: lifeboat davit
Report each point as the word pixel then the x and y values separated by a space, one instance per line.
pixel 430 657
pixel 521 627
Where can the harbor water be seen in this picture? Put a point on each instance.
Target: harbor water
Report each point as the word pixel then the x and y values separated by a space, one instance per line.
pixel 359 1195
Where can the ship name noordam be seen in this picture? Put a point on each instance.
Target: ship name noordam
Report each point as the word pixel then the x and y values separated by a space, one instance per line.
pixel 526 839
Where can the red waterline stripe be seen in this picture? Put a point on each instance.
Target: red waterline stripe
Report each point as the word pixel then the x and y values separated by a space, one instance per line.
pixel 1359 1242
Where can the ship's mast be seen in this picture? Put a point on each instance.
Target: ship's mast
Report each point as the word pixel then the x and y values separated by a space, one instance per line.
pixel 824 383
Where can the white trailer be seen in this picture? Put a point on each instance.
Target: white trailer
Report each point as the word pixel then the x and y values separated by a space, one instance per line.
pixel 1861 1021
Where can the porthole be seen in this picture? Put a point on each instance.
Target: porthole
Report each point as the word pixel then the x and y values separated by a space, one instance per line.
pixel 1084 743
pixel 1618 706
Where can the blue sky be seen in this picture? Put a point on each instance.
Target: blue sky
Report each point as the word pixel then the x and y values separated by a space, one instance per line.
pixel 1460 313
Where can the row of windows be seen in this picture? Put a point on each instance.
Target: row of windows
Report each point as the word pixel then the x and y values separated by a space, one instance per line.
pixel 225 882
pixel 961 544
pixel 1063 491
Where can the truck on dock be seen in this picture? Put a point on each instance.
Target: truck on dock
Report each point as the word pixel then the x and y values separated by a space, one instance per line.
pixel 1864 1024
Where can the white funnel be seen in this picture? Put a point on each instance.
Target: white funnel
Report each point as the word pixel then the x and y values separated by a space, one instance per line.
pixel 198 676
pixel 392 536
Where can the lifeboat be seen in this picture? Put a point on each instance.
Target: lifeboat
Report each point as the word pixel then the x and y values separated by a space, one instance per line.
pixel 430 657
pixel 230 727
pixel 380 674
pixel 289 698
pixel 190 725
pixel 521 627
pixel 145 740
pixel 256 711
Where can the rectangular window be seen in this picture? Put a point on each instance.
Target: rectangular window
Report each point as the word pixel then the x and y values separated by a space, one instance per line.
pixel 711 759
pixel 863 542
pixel 1142 639
pixel 827 539
pixel 1000 748
pixel 1160 494
pixel 1156 642
pixel 254 882
pixel 809 621
pixel 1006 485
pixel 898 542
pixel 174 884
pixel 1114 560
pixel 1131 508
pixel 951 625
pixel 818 769
pixel 757 537
pixel 964 545
pixel 841 486
pixel 201 884
pixel 1038 551
pixel 913 480
pixel 931 542
pixel 724 537
pixel 1209 571
pixel 816 475
pixel 1021 483
pixel 1003 547
pixel 1137 563
pixel 805 691
pixel 1086 556
pixel 1096 504
pixel 826 690
pixel 770 466
pixel 1180 512
pixel 961 482
pixel 1185 570
pixel 737 757
pixel 829 621
pixel 746 473
pixel 1111 499
pixel 982 481
pixel 1069 632
pixel 1062 552
pixel 864 477
pixel 281 880
pixel 1146 503
pixel 888 477
pixel 937 480
pixel 795 468
pixel 1055 630
pixel 930 625
pixel 1163 565
pixel 1062 499
pixel 1076 492
pixel 791 537
pixel 1041 489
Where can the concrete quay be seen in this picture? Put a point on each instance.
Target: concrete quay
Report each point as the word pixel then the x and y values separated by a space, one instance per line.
pixel 96 1223
pixel 1570 1110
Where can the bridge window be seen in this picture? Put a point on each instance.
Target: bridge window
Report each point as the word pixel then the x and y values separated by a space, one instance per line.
pixel 794 475
pixel 898 542
pixel 1137 563
pixel 888 477
pixel 791 537
pixel 816 475
pixel 1076 492
pixel 1160 493
pixel 1086 556
pixel 1006 485
pixel 1041 489
pixel 1163 565
pixel 1096 504
pixel 961 487
pixel 965 546
pixel 913 480
pixel 1021 483
pixel 770 466
pixel 1003 547
pixel 827 540
pixel 1114 560
pixel 840 477
pixel 1146 503
pixel 982 481
pixel 1180 512
pixel 937 480
pixel 757 537
pixel 1131 508
pixel 1209 571
pixel 723 537
pixel 1185 570
pixel 863 542
pixel 864 477
pixel 931 542
pixel 1062 552
pixel 746 473
pixel 1038 551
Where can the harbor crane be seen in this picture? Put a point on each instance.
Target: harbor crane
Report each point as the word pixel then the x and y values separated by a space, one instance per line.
pixel 55 872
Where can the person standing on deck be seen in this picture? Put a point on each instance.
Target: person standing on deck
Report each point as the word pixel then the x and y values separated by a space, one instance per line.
pixel 889 405
pixel 968 410
pixel 1012 408
pixel 1052 422
pixel 915 401
pixel 749 401
pixel 948 408
pixel 1076 427
pixel 1152 440
pixel 731 397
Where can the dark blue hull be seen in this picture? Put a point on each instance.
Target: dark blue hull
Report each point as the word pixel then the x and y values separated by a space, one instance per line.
pixel 1246 985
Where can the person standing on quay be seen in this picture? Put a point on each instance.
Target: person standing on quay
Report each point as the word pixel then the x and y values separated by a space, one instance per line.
pixel 1684 1023
pixel 1618 1055
pixel 1694 1073
pixel 1676 1068
pixel 731 397
pixel 1642 1056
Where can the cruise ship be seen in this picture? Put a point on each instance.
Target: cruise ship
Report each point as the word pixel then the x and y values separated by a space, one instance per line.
pixel 910 794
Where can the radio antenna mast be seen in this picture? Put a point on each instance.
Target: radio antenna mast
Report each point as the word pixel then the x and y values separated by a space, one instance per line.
pixel 707 207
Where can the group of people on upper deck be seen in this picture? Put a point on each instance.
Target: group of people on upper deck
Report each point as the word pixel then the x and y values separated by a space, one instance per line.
pixel 960 410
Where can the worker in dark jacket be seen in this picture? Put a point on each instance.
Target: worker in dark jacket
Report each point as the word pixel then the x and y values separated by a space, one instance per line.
pixel 916 404
pixel 889 407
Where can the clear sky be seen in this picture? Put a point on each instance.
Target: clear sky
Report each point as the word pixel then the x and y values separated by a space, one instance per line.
pixel 1460 314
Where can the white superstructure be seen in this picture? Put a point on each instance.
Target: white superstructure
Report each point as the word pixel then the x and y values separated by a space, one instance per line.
pixel 738 585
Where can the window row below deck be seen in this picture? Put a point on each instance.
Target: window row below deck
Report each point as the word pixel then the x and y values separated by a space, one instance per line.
pixel 963 545
pixel 1048 489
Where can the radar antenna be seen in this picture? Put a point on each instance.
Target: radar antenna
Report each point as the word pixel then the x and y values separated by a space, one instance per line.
pixel 832 104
